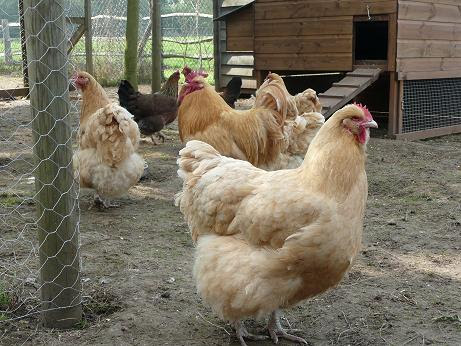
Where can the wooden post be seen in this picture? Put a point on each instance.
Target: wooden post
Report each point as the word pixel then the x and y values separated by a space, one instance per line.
pixel 131 48
pixel 156 46
pixel 88 38
pixel 25 72
pixel 7 42
pixel 393 104
pixel 216 44
pixel 60 286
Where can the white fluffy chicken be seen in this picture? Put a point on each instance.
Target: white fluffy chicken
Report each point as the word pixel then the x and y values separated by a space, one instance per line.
pixel 108 138
pixel 268 240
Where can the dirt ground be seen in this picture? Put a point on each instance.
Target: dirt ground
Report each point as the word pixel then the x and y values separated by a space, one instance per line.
pixel 405 288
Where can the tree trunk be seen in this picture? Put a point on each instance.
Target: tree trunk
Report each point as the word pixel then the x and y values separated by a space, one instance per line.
pixel 131 50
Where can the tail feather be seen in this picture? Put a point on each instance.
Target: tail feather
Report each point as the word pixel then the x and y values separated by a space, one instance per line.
pixel 114 134
pixel 194 161
pixel 273 95
pixel 126 95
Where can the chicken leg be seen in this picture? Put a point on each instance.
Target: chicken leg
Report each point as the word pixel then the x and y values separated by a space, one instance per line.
pixel 103 203
pixel 242 332
pixel 276 330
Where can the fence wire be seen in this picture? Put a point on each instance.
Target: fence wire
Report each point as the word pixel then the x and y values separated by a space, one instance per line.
pixel 186 31
pixel 37 187
pixel 187 40
pixel 431 104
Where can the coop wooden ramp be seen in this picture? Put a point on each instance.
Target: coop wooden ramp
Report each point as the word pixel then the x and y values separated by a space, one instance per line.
pixel 346 89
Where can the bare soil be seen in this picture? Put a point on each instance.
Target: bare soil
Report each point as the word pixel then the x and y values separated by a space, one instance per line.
pixel 405 288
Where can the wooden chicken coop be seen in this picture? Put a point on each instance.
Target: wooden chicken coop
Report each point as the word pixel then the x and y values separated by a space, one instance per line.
pixel 400 57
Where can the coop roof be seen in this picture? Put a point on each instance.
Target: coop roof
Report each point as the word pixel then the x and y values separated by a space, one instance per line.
pixel 241 6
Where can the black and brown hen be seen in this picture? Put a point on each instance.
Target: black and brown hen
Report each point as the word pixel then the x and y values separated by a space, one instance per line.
pixel 154 111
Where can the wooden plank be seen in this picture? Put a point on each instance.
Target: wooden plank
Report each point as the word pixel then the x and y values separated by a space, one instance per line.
pixel 9 94
pixel 301 27
pixel 441 131
pixel 392 42
pixel 429 75
pixel 428 49
pixel 76 20
pixel 400 108
pixel 335 97
pixel 76 36
pixel 239 28
pixel 322 8
pixel 338 91
pixel 244 44
pixel 413 10
pixel 237 71
pixel 25 73
pixel 217 37
pixel 88 38
pixel 247 83
pixel 428 64
pixel 423 30
pixel 238 58
pixel 446 2
pixel 393 104
pixel 362 72
pixel 304 62
pixel 304 44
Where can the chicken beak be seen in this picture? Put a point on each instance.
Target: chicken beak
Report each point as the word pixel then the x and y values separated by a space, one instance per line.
pixel 371 123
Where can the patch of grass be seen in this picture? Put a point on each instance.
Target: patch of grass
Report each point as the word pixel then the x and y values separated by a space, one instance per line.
pixel 5 299
pixel 7 200
pixel 108 59
pixel 456 319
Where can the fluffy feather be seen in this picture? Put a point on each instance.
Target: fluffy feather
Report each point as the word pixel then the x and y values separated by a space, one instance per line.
pixel 253 135
pixel 108 139
pixel 268 240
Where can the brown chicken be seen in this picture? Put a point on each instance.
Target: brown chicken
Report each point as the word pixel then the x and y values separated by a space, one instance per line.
pixel 108 139
pixel 154 111
pixel 269 240
pixel 302 124
pixel 253 135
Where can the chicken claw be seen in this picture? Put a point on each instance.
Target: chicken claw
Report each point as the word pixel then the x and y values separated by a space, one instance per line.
pixel 242 332
pixel 276 330
pixel 102 203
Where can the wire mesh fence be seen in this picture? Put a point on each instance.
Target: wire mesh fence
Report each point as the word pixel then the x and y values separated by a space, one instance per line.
pixel 39 211
pixel 186 31
pixel 431 103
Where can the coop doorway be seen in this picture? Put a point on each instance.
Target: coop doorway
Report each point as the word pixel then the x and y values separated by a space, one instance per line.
pixel 371 38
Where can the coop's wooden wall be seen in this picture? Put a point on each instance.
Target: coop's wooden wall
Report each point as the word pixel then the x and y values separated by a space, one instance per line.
pixel 240 30
pixel 235 43
pixel 314 35
pixel 429 39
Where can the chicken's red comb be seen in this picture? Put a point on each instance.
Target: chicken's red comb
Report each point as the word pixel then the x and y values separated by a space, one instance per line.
pixel 365 110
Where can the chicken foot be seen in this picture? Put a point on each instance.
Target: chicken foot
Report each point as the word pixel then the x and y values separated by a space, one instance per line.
pixel 242 332
pixel 103 203
pixel 276 330
pixel 159 135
